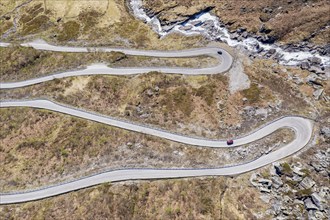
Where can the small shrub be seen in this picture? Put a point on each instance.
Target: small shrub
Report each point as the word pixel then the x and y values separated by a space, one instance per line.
pixel 35 25
pixel 287 169
pixel 252 93
pixel 70 31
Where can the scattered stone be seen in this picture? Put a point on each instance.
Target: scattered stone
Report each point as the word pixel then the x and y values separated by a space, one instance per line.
pixel 325 132
pixel 265 182
pixel 262 112
pixel 316 70
pixel 307 183
pixel 264 190
pixel 265 198
pixel 150 92
pixel 276 207
pixel 317 166
pixel 297 201
pixel 249 110
pixel 278 168
pixel 253 178
pixel 297 171
pixel 277 182
pixel 234 36
pixel 311 215
pixel 185 28
pixel 317 200
pixel 317 93
pixel 272 171
pixel 319 215
pixel 309 205
pixel 315 60
pixel 271 52
pixel 304 65
pixel 297 80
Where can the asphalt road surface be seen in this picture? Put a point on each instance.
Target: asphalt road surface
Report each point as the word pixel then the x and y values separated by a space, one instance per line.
pixel 224 64
pixel 302 127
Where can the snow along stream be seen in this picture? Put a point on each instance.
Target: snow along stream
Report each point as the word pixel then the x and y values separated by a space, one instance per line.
pixel 210 26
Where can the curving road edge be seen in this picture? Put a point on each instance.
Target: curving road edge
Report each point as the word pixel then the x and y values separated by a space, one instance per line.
pixel 302 127
pixel 224 64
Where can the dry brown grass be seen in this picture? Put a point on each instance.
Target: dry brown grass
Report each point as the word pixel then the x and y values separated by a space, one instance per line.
pixel 290 21
pixel 40 147
pixel 20 63
pixel 103 23
pixel 185 104
pixel 162 199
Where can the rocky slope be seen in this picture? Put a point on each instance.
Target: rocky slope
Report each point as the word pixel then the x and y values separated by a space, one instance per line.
pixel 285 20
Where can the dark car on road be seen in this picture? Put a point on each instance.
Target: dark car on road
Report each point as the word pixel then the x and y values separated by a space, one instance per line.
pixel 230 142
pixel 220 52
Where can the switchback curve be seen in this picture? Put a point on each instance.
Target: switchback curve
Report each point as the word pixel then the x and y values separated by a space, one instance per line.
pixel 302 127
pixel 224 64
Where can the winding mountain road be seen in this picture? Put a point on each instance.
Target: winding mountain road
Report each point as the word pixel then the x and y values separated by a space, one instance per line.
pixel 224 64
pixel 302 127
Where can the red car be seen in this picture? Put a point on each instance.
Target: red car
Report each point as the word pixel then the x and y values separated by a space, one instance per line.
pixel 230 142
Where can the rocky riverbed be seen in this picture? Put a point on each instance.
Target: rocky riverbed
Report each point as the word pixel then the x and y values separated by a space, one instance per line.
pixel 309 56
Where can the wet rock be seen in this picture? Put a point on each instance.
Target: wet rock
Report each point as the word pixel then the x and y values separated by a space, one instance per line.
pixel 268 39
pixel 305 65
pixel 234 36
pixel 307 183
pixel 315 60
pixel 264 29
pixel 326 51
pixel 245 34
pixel 185 28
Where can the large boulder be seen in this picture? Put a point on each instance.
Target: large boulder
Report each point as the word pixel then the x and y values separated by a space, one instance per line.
pixel 277 182
pixel 317 200
pixel 325 132
pixel 309 205
pixel 315 60
pixel 307 183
